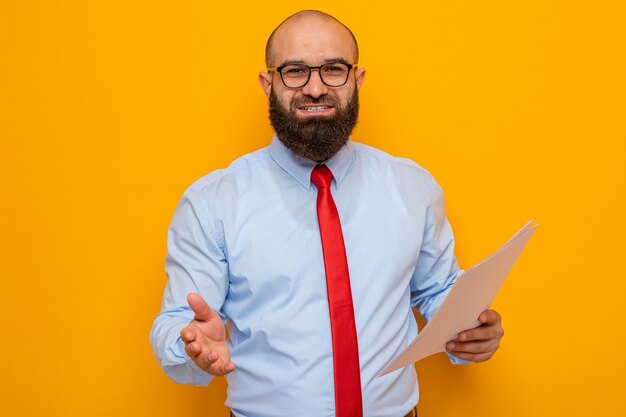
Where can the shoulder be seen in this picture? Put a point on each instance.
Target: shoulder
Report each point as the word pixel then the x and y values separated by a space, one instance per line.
pixel 383 163
pixel 246 167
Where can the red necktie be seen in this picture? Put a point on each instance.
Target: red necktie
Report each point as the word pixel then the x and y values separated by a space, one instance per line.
pixel 348 401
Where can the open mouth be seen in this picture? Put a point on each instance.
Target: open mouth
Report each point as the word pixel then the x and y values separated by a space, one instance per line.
pixel 316 109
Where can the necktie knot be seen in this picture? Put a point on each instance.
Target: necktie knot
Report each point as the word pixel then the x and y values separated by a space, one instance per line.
pixel 321 176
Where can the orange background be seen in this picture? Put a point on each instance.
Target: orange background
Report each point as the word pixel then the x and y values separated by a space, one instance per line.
pixel 110 109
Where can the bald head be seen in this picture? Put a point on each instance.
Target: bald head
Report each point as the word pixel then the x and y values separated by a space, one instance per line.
pixel 303 23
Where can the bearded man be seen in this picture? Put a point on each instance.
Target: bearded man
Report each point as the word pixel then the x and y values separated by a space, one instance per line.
pixel 312 251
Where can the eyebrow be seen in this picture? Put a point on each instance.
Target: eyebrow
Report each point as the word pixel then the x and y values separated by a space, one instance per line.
pixel 326 61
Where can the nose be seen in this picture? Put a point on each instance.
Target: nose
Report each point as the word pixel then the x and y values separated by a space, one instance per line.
pixel 315 87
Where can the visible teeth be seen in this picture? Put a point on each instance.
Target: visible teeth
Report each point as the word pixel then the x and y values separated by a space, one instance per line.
pixel 318 108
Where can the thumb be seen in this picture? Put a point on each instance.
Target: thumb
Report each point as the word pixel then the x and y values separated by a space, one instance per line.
pixel 201 309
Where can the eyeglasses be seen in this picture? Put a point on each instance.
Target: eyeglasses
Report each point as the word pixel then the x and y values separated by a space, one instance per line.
pixel 333 74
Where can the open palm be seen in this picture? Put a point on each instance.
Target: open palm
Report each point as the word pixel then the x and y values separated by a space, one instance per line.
pixel 205 338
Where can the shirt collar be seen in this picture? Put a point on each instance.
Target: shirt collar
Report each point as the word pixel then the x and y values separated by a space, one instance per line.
pixel 300 168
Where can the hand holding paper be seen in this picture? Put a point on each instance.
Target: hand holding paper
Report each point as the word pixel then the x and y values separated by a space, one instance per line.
pixel 480 343
pixel 470 296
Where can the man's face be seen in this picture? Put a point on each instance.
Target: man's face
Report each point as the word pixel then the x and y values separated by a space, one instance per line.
pixel 316 120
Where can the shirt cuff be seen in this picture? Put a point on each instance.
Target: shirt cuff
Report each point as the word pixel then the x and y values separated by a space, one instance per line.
pixel 456 361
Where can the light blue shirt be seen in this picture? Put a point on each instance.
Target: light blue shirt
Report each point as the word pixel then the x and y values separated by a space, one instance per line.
pixel 246 239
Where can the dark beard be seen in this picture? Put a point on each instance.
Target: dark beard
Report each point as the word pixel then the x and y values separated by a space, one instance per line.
pixel 314 138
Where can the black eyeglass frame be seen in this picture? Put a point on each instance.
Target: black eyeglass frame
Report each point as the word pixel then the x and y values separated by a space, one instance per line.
pixel 279 70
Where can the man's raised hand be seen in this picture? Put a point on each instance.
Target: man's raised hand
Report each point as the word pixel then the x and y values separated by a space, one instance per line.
pixel 205 338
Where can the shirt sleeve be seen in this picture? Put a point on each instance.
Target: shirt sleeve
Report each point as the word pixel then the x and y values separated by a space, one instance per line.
pixel 195 262
pixel 437 268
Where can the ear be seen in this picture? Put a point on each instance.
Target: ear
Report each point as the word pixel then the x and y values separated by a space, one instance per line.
pixel 265 81
pixel 360 77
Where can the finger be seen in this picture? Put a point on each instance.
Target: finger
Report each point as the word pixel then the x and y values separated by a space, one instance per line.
pixel 491 328
pixel 484 332
pixel 472 347
pixel 489 317
pixel 222 369
pixel 474 354
pixel 206 359
pixel 193 349
pixel 212 363
pixel 228 368
pixel 201 309
pixel 473 357
pixel 188 334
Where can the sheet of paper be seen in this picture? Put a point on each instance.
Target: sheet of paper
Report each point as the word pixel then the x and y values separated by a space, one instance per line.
pixel 471 294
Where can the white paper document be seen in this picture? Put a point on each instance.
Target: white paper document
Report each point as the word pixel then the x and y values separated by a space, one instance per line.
pixel 472 293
